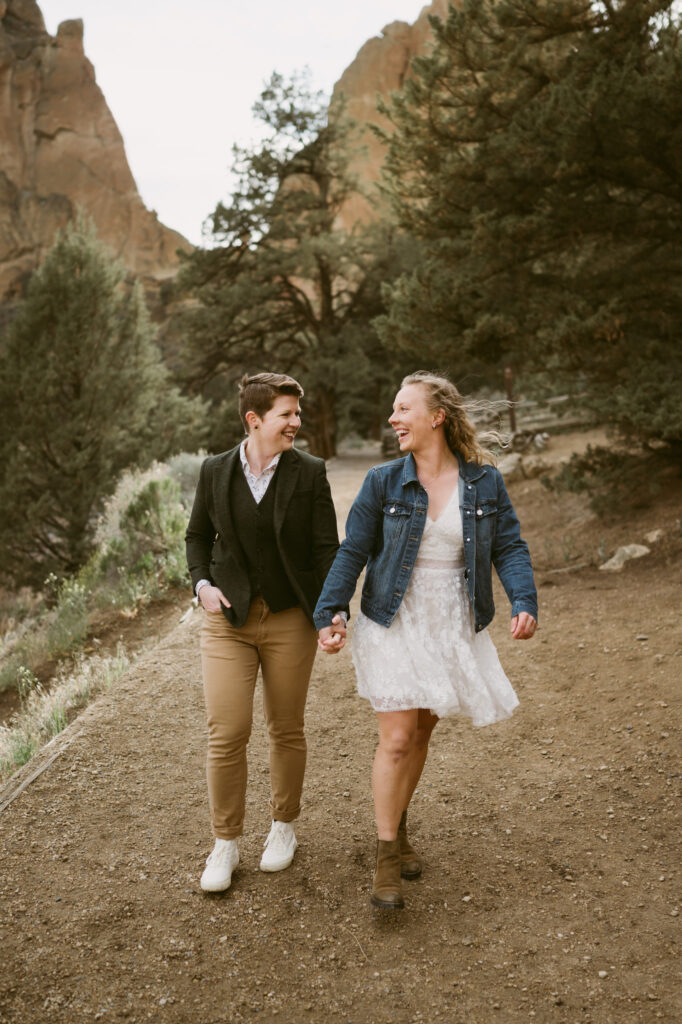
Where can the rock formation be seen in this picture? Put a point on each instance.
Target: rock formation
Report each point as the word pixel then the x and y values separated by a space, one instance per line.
pixel 60 149
pixel 381 66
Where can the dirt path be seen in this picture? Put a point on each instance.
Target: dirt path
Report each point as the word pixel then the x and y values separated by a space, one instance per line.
pixel 552 840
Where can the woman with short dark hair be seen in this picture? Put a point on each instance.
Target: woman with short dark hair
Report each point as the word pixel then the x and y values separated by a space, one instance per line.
pixel 260 540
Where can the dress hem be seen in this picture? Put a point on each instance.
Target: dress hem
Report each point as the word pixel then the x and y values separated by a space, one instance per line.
pixel 445 712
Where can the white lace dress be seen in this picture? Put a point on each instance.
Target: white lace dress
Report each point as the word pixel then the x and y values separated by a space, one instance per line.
pixel 430 656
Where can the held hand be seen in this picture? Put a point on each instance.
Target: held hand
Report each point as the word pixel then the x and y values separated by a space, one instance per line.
pixel 211 598
pixel 523 626
pixel 332 638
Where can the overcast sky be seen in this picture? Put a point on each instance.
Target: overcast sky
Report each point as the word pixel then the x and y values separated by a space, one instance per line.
pixel 180 78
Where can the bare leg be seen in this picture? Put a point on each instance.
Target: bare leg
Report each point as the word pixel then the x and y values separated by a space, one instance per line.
pixel 391 774
pixel 426 723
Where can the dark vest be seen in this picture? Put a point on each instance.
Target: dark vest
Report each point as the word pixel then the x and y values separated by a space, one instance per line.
pixel 254 526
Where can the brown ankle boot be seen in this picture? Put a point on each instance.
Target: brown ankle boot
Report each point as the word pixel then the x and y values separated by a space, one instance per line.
pixel 410 861
pixel 387 889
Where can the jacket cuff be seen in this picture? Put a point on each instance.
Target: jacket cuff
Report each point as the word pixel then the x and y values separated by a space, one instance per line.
pixel 524 606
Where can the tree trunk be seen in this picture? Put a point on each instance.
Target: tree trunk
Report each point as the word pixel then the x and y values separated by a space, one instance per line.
pixel 320 422
pixel 379 417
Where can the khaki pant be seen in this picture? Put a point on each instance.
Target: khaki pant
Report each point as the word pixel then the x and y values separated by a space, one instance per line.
pixel 283 645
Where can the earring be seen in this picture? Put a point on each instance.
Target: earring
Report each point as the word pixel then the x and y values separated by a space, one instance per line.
pixel 433 426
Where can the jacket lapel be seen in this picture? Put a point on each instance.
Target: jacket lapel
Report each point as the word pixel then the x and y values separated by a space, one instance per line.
pixel 286 479
pixel 221 494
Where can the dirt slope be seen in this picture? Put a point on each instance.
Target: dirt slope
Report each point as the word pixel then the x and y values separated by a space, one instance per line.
pixel 552 840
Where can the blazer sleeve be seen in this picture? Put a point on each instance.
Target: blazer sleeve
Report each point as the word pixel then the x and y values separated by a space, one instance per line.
pixel 200 534
pixel 325 537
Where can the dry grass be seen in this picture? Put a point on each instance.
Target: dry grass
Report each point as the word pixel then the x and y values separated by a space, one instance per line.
pixel 44 714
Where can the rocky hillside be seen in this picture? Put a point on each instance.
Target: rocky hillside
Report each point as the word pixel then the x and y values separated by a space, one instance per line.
pixel 60 148
pixel 381 66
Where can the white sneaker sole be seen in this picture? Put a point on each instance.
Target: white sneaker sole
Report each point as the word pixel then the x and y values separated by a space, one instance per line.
pixel 221 885
pixel 277 865
pixel 215 886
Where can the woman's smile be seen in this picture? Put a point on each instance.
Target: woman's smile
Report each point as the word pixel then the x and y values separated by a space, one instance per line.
pixel 410 418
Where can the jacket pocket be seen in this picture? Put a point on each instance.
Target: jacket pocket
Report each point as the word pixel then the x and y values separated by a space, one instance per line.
pixel 396 519
pixel 485 516
pixel 396 510
pixel 486 508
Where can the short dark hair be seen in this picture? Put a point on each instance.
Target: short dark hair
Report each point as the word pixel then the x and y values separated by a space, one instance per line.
pixel 259 392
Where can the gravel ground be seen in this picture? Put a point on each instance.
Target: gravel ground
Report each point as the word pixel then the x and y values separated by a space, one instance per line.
pixel 551 841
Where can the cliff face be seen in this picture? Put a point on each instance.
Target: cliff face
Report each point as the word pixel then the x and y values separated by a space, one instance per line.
pixel 381 66
pixel 60 149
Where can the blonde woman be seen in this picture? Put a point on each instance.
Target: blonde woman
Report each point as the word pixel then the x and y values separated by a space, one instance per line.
pixel 429 526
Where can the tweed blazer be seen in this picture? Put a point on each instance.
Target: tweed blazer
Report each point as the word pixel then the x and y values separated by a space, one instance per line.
pixel 305 528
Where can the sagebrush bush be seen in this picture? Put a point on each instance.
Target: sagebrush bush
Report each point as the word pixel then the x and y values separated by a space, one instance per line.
pixel 147 554
pixel 68 625
pixel 56 631
pixel 128 487
pixel 139 554
pixel 184 468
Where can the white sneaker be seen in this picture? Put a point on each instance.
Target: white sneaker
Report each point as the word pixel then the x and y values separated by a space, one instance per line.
pixel 220 864
pixel 280 847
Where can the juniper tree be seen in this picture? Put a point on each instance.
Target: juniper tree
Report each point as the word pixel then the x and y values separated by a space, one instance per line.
pixel 84 395
pixel 537 162
pixel 284 286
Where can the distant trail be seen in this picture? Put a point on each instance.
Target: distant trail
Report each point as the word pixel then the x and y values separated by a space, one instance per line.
pixel 551 841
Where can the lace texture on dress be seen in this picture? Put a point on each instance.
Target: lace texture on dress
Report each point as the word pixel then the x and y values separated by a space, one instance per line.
pixel 430 656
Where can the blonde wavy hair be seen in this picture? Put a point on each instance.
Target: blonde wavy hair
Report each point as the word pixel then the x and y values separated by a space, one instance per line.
pixel 461 433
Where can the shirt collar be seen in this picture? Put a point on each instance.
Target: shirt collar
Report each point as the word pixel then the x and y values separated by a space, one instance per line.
pixel 245 461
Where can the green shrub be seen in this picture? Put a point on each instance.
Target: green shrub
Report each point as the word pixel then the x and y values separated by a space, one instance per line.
pixel 54 633
pixel 84 394
pixel 67 627
pixel 614 479
pixel 185 468
pixel 140 553
pixel 147 555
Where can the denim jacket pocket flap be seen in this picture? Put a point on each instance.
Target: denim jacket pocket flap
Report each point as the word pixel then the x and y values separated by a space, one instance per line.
pixel 396 508
pixel 486 508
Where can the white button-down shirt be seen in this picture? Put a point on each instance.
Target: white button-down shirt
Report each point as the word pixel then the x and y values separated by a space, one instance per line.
pixel 258 485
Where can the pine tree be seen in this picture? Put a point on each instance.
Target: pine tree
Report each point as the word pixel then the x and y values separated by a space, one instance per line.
pixel 285 287
pixel 84 395
pixel 537 162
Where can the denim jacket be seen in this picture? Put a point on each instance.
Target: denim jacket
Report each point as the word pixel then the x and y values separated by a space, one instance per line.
pixel 384 530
